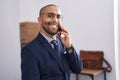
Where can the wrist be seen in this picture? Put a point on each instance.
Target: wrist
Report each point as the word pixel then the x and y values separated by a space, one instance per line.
pixel 70 49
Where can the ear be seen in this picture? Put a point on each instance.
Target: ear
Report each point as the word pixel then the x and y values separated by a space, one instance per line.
pixel 39 19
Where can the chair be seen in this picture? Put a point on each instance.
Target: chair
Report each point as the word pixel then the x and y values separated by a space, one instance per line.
pixel 93 64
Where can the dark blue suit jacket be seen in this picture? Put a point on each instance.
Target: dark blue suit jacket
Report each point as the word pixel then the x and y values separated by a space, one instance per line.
pixel 40 62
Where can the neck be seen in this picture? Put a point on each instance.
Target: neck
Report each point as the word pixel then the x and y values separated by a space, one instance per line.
pixel 48 35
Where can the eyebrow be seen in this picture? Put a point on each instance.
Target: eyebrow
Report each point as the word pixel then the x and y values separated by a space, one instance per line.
pixel 52 13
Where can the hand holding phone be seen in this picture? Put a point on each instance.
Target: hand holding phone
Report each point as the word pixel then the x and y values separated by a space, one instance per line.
pixel 64 36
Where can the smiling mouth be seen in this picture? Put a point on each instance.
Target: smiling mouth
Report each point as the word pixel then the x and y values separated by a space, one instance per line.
pixel 53 26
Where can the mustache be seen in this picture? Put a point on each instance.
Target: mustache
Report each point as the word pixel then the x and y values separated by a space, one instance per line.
pixel 50 23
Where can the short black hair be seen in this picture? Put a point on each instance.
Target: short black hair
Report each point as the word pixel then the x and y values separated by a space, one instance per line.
pixel 43 8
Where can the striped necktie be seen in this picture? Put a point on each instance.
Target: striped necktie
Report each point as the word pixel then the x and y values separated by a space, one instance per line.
pixel 55 44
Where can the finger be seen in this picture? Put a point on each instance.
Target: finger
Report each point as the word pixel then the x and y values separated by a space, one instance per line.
pixel 64 33
pixel 64 29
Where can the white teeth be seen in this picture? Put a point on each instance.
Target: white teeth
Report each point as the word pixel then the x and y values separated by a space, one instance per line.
pixel 54 26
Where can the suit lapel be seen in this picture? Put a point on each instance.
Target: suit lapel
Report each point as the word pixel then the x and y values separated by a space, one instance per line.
pixel 48 47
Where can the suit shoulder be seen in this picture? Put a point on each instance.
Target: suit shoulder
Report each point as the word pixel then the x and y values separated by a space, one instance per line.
pixel 34 43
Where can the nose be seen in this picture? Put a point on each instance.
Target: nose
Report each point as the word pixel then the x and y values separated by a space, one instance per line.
pixel 55 19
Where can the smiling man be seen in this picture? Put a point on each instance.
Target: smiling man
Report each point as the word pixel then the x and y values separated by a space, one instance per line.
pixel 50 56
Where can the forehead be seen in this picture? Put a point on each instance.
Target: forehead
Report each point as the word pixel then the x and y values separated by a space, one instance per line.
pixel 52 9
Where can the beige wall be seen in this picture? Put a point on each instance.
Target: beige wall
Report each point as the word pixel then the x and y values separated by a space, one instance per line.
pixel 9 40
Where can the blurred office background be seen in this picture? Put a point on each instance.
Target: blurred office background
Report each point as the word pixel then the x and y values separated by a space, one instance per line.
pixel 90 22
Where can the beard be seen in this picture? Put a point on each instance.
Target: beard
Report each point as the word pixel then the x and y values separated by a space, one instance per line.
pixel 46 28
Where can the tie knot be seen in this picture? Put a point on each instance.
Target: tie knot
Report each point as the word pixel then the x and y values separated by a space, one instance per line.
pixel 54 42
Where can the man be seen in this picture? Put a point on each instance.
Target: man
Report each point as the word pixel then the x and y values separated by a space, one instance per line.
pixel 42 59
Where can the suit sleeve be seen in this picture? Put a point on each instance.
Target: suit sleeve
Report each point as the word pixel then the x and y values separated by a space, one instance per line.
pixel 29 66
pixel 75 62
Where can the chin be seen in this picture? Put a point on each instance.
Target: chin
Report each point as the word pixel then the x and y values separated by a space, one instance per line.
pixel 54 33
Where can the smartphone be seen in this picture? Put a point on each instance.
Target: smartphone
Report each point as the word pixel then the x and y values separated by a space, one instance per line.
pixel 59 30
pixel 59 27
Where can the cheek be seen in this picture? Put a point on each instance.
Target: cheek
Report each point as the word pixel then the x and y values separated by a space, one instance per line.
pixel 45 22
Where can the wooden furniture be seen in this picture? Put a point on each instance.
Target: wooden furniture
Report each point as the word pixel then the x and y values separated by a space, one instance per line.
pixel 28 31
pixel 92 73
pixel 93 64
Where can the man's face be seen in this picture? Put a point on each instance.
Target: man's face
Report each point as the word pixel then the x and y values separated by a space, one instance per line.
pixel 50 19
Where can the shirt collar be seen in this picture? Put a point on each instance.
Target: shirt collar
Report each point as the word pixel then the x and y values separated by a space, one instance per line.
pixel 48 39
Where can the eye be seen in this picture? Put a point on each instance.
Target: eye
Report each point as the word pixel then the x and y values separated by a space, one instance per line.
pixel 51 15
pixel 58 16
